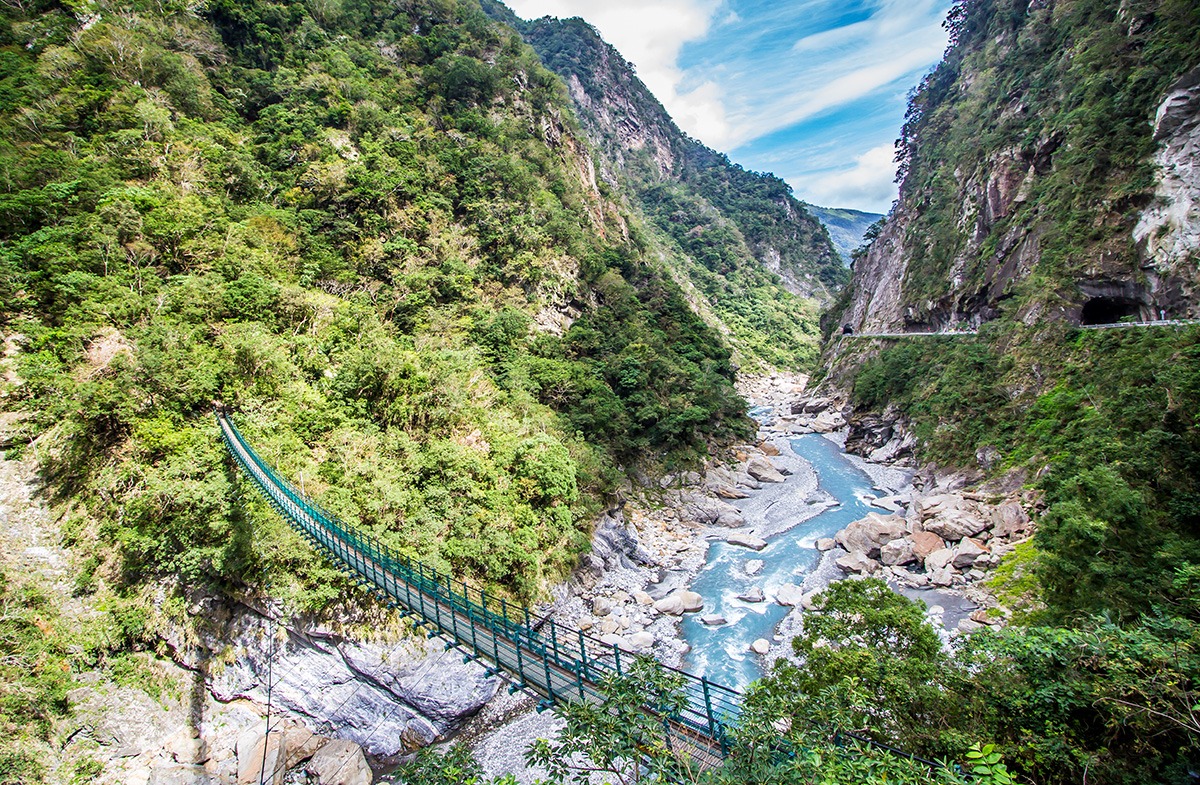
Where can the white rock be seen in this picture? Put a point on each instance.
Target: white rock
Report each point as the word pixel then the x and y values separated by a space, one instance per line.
pixel 746 540
pixel 857 562
pixel 760 646
pixel 826 544
pixel 870 533
pixel 753 566
pixel 643 598
pixel 601 606
pixel 250 757
pixel 763 470
pixel 939 559
pixel 942 577
pixel 611 639
pixel 639 641
pixel 712 619
pixel 953 525
pixel 966 553
pixel 753 594
pixel 788 595
pixel 897 552
pixel 680 602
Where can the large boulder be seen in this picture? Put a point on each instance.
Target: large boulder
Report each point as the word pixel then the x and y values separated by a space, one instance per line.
pixel 857 561
pixel 1010 521
pixel 828 421
pixel 950 516
pixel 925 543
pixel 939 559
pixel 747 540
pixel 638 642
pixel 760 646
pixel 942 577
pixel 953 525
pixel 728 491
pixel 753 594
pixel 897 552
pixel 966 553
pixel 252 747
pixel 679 603
pixel 708 511
pixel 868 534
pixel 340 762
pixel 811 406
pixel 788 595
pixel 762 470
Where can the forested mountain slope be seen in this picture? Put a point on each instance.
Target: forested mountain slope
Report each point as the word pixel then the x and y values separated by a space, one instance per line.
pixel 728 231
pixel 374 231
pixel 1049 180
pixel 846 227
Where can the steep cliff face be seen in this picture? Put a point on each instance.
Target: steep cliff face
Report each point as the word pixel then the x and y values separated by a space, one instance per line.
pixel 730 237
pixel 640 140
pixel 1168 232
pixel 1049 181
pixel 1049 173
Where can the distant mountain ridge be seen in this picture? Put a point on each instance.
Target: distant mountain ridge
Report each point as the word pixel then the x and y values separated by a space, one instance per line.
pixel 726 232
pixel 846 227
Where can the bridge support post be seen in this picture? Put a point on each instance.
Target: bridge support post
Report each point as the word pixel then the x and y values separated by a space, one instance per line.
pixel 707 705
pixel 583 663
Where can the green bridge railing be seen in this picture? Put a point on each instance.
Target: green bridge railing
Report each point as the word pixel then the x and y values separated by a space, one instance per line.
pixel 557 663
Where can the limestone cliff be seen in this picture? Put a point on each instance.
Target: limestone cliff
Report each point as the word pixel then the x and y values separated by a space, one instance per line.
pixel 1049 173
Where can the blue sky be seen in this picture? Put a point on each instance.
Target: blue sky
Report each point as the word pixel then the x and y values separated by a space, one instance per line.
pixel 812 90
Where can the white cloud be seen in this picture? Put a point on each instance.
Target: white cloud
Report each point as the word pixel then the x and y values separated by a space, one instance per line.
pixel 650 34
pixel 868 182
pixel 835 67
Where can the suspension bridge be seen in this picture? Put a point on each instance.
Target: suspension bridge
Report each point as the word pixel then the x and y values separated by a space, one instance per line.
pixel 535 653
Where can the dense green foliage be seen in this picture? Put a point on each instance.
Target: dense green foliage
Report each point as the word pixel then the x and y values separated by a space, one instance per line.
pixel 724 229
pixel 1097 681
pixel 1117 702
pixel 1071 88
pixel 344 221
pixel 1112 439
pixel 34 677
pixel 1103 702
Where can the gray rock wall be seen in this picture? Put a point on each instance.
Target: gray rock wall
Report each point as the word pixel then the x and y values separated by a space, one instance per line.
pixel 389 698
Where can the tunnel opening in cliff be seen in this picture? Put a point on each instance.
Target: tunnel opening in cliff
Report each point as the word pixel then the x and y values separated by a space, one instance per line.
pixel 1109 310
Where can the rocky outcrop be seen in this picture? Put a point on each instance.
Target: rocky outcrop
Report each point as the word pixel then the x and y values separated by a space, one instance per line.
pixel 1168 232
pixel 869 534
pixel 614 546
pixel 679 603
pixel 948 538
pixel 972 224
pixel 340 763
pixel 387 697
